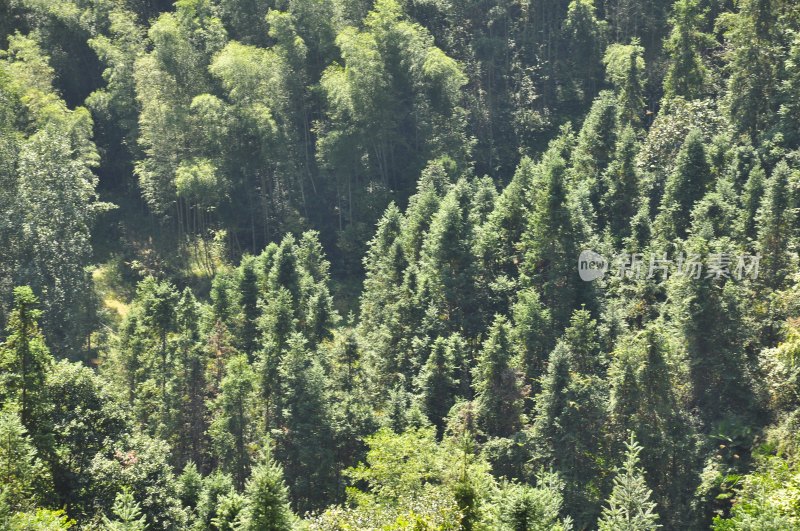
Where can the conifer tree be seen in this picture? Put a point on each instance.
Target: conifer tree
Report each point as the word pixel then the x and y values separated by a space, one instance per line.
pixel 775 220
pixel 687 75
pixel 752 38
pixel 751 199
pixel 644 402
pixel 567 431
pixel 595 148
pixel 499 394
pixel 437 384
pixel 498 239
pixel 581 337
pixel 629 507
pixel 267 498
pixel 583 37
pixel 710 315
pixel 234 427
pixel 248 302
pixel 422 206
pixel 686 185
pixel 532 334
pixel 448 265
pixel 128 514
pixel 625 68
pixel 276 325
pixel 190 385
pixel 24 360
pixel 620 203
pixel 552 238
pixel 25 478
pixel 284 273
pixel 304 444
pixel 223 298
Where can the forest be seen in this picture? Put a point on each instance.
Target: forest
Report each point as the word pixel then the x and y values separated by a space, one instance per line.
pixel 345 265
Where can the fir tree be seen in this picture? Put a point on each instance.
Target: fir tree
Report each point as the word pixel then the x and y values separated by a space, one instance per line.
pixel 552 238
pixel 437 385
pixel 247 291
pixel 532 334
pixel 687 75
pixel 233 429
pixel 499 395
pixel 267 498
pixel 128 514
pixel 625 68
pixel 621 185
pixel 775 220
pixel 595 148
pixel 629 507
pixel 686 185
pixel 24 360
pixel 305 441
pixel 448 265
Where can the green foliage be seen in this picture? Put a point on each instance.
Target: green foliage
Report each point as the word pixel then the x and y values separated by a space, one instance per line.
pixel 247 143
pixel 25 477
pixel 128 515
pixel 629 506
pixel 267 498
pixel 625 69
pixel 686 185
pixel 687 75
pixel 499 392
pixel 25 359
pixel 233 429
pixel 526 508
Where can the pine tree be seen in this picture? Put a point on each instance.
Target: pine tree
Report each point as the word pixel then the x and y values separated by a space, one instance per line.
pixel 532 334
pixel 247 300
pixel 629 507
pixel 128 514
pixel 687 75
pixel 621 185
pixel 625 68
pixel 437 385
pixel 552 238
pixel 24 360
pixel 267 498
pixel 499 392
pixel 234 426
pixel 304 444
pixel 686 185
pixel 775 220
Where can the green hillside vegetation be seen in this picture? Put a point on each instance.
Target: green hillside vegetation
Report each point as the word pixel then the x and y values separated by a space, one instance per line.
pixel 314 265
